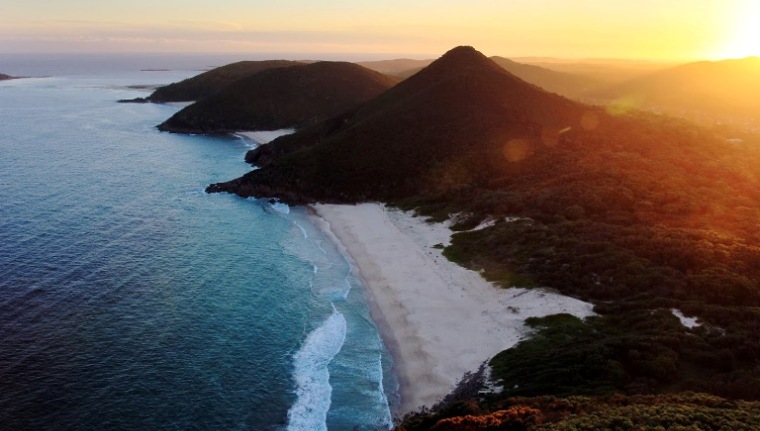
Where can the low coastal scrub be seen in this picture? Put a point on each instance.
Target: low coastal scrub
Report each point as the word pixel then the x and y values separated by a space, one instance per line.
pixel 635 350
pixel 682 412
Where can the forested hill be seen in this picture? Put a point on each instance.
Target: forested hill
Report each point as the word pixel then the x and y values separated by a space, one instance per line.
pixel 443 129
pixel 567 84
pixel 211 82
pixel 728 89
pixel 282 98
pixel 640 214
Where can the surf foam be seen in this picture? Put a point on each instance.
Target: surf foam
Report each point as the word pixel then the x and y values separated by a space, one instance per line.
pixel 313 390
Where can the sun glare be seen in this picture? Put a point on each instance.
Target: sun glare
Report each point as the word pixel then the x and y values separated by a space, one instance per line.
pixel 744 32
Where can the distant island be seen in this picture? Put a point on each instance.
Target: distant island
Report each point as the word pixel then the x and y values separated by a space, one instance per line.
pixel 651 218
pixel 4 77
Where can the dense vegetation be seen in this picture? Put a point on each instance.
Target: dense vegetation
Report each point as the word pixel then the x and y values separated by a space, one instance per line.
pixel 212 81
pixel 283 97
pixel 440 130
pixel 638 213
pixel 682 412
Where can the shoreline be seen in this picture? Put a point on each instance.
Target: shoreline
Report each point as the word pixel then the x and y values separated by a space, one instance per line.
pixel 261 137
pixel 437 319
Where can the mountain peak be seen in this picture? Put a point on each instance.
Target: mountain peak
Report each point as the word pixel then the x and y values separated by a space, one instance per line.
pixel 462 60
pixel 438 131
pixel 462 51
pixel 463 56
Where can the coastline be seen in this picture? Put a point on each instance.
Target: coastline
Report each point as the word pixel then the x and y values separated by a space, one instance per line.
pixel 262 137
pixel 438 319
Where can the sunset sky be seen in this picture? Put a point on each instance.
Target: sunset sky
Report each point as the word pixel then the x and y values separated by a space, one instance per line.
pixel 641 29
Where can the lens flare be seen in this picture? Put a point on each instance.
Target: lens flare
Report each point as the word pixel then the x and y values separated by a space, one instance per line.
pixel 516 150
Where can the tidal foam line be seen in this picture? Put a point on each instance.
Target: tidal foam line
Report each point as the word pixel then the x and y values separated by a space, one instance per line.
pixel 313 390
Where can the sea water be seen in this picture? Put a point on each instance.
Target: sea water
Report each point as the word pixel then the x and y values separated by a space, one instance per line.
pixel 131 299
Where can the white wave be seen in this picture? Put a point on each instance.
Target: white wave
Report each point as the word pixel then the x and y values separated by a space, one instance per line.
pixel 303 231
pixel 348 288
pixel 319 246
pixel 336 292
pixel 313 390
pixel 387 417
pixel 316 269
pixel 280 207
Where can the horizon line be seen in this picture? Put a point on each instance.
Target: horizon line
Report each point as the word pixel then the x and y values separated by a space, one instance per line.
pixel 369 56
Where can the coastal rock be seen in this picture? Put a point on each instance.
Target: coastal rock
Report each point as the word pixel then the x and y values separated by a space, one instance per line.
pixel 135 100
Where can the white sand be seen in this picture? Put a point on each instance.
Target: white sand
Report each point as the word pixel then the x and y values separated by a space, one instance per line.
pixel 262 137
pixel 439 319
pixel 689 322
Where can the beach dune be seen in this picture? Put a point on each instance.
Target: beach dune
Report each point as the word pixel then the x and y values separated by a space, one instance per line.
pixel 439 320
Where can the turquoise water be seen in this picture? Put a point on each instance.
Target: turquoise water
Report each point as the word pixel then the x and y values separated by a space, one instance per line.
pixel 130 299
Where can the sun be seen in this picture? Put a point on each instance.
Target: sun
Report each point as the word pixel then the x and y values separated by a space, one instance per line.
pixel 744 31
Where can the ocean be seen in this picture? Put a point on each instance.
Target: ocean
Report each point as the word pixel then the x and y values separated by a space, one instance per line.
pixel 131 299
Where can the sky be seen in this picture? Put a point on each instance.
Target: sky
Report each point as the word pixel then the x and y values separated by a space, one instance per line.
pixel 641 29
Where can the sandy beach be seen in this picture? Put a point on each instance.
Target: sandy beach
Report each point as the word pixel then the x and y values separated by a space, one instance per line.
pixel 262 137
pixel 438 319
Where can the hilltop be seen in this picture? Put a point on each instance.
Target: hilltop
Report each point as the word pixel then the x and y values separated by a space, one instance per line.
pixel 4 77
pixel 567 84
pixel 211 82
pixel 280 98
pixel 640 214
